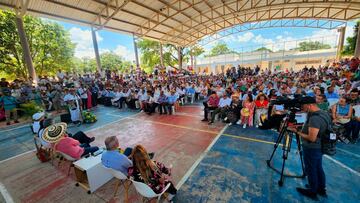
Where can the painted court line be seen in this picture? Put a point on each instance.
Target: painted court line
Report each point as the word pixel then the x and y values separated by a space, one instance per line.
pixel 173 125
pixel 197 162
pixel 326 156
pixel 342 165
pixel 250 139
pixel 347 152
pixel 5 194
pixel 16 156
pixel 19 127
pixel 22 154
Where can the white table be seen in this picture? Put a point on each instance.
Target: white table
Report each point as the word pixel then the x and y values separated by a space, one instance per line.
pixel 90 174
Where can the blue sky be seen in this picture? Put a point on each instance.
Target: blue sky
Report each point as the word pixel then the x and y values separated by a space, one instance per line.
pixel 274 38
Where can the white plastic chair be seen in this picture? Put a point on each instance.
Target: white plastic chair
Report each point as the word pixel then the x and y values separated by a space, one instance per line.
pixel 191 96
pixel 145 191
pixel 123 179
pixel 67 158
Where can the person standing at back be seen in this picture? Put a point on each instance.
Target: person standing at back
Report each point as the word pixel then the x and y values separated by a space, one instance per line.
pixel 315 127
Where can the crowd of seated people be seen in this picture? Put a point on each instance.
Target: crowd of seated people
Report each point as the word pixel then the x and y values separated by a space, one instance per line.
pixel 162 92
pixel 335 86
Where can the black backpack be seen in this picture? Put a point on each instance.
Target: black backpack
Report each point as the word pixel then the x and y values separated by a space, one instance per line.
pixel 328 139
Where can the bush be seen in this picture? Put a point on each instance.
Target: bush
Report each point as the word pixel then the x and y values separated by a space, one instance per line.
pixel 89 117
pixel 30 108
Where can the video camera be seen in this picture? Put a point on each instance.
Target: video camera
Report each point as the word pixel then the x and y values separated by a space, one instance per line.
pixel 293 104
pixel 290 102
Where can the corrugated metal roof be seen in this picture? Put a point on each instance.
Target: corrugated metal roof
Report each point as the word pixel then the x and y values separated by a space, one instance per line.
pixel 184 22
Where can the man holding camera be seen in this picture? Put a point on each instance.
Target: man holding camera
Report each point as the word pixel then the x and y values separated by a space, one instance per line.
pixel 316 125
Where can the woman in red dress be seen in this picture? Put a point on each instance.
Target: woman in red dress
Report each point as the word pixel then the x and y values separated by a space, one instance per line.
pixel 89 99
pixel 262 105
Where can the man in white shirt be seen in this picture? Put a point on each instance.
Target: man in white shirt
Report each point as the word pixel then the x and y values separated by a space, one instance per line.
pixel 224 102
pixel 82 91
pixel 60 75
pixel 72 100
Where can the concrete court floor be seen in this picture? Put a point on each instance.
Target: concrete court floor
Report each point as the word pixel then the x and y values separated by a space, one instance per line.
pixel 178 140
pixel 235 170
pixel 19 139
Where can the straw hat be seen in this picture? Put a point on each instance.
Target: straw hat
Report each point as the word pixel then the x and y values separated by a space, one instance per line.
pixel 54 133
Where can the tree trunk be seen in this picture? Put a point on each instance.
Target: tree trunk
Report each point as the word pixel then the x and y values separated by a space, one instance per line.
pixel 26 50
pixel 192 60
pixel 161 56
pixel 180 57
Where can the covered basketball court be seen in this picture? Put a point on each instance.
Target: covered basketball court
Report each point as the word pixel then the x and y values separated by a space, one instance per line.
pixel 185 22
pixel 210 163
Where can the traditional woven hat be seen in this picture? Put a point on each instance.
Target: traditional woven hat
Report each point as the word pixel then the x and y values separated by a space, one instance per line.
pixel 54 133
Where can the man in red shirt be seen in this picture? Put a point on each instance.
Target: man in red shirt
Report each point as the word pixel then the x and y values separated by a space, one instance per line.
pixel 211 104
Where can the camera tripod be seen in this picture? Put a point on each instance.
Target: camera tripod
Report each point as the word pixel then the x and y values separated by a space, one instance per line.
pixel 287 137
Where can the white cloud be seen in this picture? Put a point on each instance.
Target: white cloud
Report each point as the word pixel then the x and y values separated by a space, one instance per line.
pixel 259 39
pixel 83 40
pixel 125 53
pixel 229 38
pixel 246 37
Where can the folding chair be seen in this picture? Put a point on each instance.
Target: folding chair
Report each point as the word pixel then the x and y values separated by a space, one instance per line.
pixel 122 180
pixel 69 159
pixel 147 193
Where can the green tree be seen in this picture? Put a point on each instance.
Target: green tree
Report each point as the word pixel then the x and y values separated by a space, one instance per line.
pixel 310 45
pixel 111 61
pixel 150 54
pixel 195 51
pixel 219 49
pixel 264 49
pixel 50 46
pixel 349 48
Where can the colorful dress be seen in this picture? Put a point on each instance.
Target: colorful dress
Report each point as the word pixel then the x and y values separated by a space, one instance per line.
pixel 261 109
pixel 89 99
pixel 154 180
pixel 249 119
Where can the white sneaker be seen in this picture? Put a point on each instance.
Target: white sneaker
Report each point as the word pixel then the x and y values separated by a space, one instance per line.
pixel 238 122
pixel 257 126
pixel 244 126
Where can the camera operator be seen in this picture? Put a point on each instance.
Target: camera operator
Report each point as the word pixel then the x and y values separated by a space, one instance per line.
pixel 315 126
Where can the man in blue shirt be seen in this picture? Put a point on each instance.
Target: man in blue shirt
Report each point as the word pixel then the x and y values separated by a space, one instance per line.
pixel 171 101
pixel 112 158
pixel 331 94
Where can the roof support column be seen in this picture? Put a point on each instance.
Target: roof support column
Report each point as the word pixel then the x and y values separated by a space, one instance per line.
pixel 340 43
pixel 357 47
pixel 161 56
pixel 136 52
pixel 20 12
pixel 179 49
pixel 96 50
